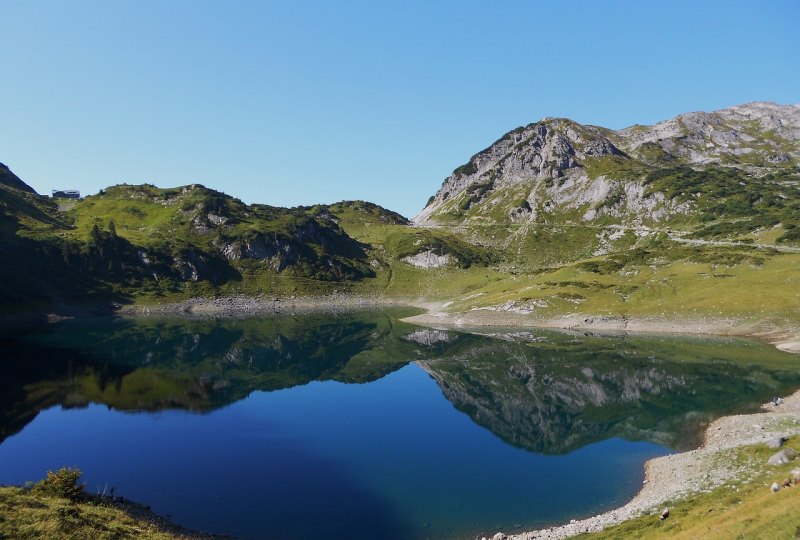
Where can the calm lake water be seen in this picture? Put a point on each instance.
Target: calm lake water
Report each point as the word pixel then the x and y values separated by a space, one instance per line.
pixel 361 426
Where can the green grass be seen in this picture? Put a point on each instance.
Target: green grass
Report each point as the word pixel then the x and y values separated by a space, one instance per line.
pixel 740 200
pixel 715 283
pixel 615 167
pixel 653 154
pixel 734 510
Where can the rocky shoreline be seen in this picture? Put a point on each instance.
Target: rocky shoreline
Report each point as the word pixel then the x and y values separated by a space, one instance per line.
pixel 678 475
pixel 786 338
pixel 783 337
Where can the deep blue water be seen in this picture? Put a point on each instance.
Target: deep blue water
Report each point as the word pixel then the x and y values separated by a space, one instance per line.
pixel 392 457
pixel 398 454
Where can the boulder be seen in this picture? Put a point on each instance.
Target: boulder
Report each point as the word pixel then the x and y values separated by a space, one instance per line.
pixel 784 456
pixel 777 442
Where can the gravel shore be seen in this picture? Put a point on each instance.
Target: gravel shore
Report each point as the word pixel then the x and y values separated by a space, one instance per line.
pixel 248 306
pixel 677 475
pixel 251 306
pixel 785 339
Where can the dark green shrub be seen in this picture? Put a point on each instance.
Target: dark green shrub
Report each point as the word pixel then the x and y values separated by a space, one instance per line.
pixel 466 169
pixel 792 234
pixel 63 483
pixel 607 266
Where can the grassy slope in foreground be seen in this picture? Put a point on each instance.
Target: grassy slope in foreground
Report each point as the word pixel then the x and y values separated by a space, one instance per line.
pixel 58 508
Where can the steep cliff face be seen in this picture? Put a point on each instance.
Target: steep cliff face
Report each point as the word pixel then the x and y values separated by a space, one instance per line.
pixel 559 170
pixel 514 176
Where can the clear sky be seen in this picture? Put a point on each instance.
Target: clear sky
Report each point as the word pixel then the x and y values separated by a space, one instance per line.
pixel 298 102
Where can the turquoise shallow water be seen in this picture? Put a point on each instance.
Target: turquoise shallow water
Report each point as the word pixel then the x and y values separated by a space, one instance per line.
pixel 362 427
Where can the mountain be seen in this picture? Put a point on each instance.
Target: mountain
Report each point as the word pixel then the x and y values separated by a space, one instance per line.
pixel 132 243
pixel 21 208
pixel 129 241
pixel 692 219
pixel 559 170
pixel 695 217
pixel 30 267
pixel 754 135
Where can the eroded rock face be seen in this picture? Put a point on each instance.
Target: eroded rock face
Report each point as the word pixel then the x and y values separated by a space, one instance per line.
pixel 190 266
pixel 278 253
pixel 428 259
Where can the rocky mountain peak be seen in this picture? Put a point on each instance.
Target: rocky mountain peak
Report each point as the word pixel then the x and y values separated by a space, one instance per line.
pixel 543 150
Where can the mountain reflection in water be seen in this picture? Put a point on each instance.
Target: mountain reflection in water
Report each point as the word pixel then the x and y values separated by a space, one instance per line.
pixel 543 391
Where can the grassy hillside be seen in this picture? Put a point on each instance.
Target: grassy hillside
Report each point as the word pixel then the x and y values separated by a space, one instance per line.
pixel 31 273
pixel 129 242
pixel 141 243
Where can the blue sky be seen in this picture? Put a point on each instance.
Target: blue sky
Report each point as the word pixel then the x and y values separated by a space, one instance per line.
pixel 299 102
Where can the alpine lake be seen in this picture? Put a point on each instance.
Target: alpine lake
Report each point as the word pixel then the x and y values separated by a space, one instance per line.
pixel 358 425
